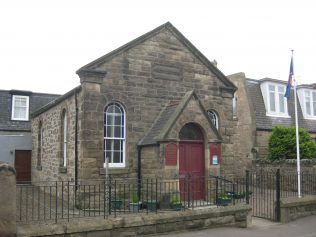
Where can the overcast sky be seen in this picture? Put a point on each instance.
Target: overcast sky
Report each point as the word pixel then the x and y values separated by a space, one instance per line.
pixel 43 42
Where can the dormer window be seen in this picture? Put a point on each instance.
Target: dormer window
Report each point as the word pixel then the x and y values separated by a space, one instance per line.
pixel 310 104
pixel 275 102
pixel 20 108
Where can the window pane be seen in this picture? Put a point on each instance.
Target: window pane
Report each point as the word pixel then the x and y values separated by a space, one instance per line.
pixel 117 120
pixel 117 110
pixel 308 103
pixel 110 109
pixel 118 131
pixel 117 157
pixel 281 103
pixel 272 101
pixel 109 119
pixel 108 155
pixel 314 103
pixel 109 131
pixel 271 88
pixel 117 145
pixel 108 144
pixel 281 89
pixel 19 112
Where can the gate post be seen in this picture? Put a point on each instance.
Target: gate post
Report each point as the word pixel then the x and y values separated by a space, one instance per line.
pixel 247 186
pixel 278 196
pixel 7 201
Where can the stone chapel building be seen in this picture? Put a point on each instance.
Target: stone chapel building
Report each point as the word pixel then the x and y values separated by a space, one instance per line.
pixel 155 108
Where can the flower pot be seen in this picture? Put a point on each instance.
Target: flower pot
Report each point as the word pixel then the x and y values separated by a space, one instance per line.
pixel 134 207
pixel 152 205
pixel 116 204
pixel 223 201
pixel 176 206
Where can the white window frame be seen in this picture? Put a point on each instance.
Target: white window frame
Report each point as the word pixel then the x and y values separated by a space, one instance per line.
pixel 122 139
pixel 277 94
pixel 311 106
pixel 212 113
pixel 26 115
pixel 235 112
pixel 65 125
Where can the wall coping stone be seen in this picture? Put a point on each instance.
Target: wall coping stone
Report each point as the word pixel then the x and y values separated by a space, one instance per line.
pixel 239 215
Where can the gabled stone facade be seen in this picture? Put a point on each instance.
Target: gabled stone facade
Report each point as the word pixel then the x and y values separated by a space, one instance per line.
pixel 145 77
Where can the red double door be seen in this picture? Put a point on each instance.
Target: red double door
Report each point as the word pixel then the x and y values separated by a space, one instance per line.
pixel 192 170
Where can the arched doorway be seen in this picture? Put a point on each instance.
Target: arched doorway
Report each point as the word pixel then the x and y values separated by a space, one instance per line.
pixel 191 162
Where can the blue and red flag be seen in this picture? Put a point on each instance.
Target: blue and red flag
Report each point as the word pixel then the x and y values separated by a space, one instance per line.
pixel 290 81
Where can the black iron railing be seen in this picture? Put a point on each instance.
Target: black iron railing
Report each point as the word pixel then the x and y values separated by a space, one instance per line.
pixel 64 201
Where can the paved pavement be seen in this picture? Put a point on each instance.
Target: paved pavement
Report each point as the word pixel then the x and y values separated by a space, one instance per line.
pixel 304 227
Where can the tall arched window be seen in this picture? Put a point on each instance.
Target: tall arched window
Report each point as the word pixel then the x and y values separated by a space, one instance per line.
pixel 114 135
pixel 64 138
pixel 213 117
pixel 40 144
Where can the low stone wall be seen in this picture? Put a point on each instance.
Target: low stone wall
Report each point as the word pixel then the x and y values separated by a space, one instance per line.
pixel 7 201
pixel 145 224
pixel 293 208
pixel 287 166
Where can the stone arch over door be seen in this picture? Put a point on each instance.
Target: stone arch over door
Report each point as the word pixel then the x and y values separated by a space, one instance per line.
pixel 191 162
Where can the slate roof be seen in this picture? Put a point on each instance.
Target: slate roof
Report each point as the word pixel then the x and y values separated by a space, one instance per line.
pixel 264 122
pixel 36 101
pixel 167 119
pixel 93 66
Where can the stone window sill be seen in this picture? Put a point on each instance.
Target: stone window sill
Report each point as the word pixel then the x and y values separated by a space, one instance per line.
pixel 114 171
pixel 63 170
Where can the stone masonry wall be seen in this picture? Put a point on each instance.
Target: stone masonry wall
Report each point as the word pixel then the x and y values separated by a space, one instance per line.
pixel 244 136
pixel 8 201
pixel 148 76
pixel 146 224
pixel 52 156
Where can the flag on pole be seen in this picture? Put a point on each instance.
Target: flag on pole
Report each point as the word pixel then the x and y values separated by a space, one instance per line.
pixel 290 81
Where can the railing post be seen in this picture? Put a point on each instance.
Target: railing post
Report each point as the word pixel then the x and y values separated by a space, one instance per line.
pixel 247 186
pixel 110 193
pixel 216 190
pixel 278 196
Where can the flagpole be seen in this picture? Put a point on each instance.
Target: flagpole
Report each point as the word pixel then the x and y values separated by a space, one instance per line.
pixel 297 140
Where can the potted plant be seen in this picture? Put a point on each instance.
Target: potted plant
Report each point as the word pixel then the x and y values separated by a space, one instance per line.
pixel 236 195
pixel 134 204
pixel 224 199
pixel 176 204
pixel 152 205
pixel 116 203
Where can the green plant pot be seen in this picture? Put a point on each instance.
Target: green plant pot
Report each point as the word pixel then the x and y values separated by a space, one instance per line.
pixel 176 206
pixel 116 204
pixel 152 205
pixel 134 207
pixel 223 201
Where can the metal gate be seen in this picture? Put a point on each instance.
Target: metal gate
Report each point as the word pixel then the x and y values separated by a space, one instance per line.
pixel 264 190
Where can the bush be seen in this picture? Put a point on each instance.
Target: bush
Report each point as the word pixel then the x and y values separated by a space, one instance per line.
pixel 282 144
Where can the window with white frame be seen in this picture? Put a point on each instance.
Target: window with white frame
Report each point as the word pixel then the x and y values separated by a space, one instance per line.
pixel 213 117
pixel 114 135
pixel 65 125
pixel 310 103
pixel 277 103
pixel 20 108
pixel 235 106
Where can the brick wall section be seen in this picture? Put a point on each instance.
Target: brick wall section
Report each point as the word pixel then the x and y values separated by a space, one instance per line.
pixel 52 154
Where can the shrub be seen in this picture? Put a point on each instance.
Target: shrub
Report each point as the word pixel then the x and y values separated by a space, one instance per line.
pixel 282 144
